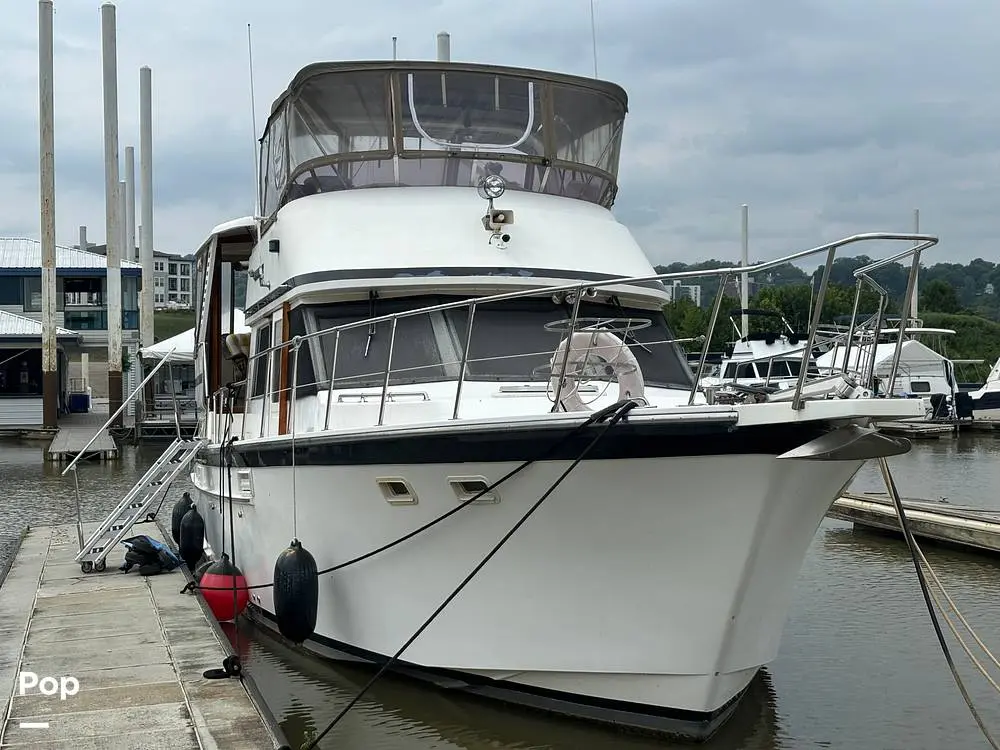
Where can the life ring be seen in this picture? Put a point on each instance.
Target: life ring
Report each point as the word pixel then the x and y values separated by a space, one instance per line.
pixel 588 348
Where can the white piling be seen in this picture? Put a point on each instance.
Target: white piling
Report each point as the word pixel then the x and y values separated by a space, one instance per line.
pixel 109 59
pixel 47 179
pixel 131 252
pixel 146 190
pixel 916 291
pixel 444 46
pixel 745 261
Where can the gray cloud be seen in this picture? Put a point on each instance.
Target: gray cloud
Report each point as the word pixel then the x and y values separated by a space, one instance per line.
pixel 827 116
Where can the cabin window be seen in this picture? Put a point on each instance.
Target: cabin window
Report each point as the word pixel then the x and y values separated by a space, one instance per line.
pixel 305 380
pixel 275 359
pixel 259 377
pixel 509 342
pixel 363 351
pixel 920 386
pixel 743 371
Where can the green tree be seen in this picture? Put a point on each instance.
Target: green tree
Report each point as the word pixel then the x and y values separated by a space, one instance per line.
pixel 939 296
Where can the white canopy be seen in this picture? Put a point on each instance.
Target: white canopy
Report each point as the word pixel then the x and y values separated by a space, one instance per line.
pixel 183 343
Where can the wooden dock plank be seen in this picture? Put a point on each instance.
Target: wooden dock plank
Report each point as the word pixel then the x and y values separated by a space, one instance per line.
pixel 75 431
pixel 137 647
pixel 973 529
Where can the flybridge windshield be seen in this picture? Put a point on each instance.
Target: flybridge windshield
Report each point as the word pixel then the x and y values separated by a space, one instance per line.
pixel 441 125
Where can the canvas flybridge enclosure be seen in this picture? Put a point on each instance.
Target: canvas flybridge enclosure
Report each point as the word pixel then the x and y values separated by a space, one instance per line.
pixel 378 124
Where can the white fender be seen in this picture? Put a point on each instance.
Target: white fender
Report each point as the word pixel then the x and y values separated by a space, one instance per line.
pixel 595 347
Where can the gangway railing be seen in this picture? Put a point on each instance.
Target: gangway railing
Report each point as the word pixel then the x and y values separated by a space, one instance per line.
pixel 72 464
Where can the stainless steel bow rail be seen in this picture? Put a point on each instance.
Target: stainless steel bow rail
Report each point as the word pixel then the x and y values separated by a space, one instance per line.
pixel 152 487
pixel 574 293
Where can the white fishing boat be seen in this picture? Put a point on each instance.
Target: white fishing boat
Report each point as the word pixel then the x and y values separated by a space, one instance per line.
pixel 769 358
pixel 439 293
pixel 917 371
pixel 986 399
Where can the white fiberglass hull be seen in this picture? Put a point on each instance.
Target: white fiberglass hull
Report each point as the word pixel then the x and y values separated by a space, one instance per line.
pixel 642 591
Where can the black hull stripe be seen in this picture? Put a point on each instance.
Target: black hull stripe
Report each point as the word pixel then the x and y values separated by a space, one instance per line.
pixel 374 274
pixel 487 445
pixel 989 400
pixel 695 725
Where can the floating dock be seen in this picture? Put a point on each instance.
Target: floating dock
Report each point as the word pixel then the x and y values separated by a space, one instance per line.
pixel 933 430
pixel 75 431
pixel 972 529
pixel 113 660
pixel 917 430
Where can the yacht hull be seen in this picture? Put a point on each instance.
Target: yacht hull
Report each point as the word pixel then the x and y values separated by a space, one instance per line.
pixel 647 590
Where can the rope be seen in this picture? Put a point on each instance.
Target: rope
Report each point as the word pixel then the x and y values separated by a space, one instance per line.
pixel 955 609
pixel 621 410
pixel 594 418
pixel 911 544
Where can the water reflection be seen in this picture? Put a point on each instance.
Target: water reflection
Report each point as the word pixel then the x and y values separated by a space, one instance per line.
pixel 305 695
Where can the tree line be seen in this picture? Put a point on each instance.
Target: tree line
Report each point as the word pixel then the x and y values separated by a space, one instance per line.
pixel 951 288
pixel 951 295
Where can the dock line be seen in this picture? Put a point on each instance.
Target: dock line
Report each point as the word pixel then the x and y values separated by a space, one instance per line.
pixel 915 555
pixel 617 412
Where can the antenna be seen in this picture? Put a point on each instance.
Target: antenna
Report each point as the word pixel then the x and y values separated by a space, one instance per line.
pixel 394 48
pixel 593 36
pixel 253 121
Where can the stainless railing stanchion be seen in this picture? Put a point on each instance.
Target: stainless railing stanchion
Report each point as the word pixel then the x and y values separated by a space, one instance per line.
pixel 388 371
pixel 465 359
pixel 906 305
pixel 333 371
pixel 569 347
pixel 723 280
pixel 813 324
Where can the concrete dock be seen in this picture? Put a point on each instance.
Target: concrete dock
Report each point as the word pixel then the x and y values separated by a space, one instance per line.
pixel 75 431
pixel 972 529
pixel 134 648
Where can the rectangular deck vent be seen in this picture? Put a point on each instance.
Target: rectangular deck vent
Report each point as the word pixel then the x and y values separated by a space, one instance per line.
pixel 466 488
pixel 396 491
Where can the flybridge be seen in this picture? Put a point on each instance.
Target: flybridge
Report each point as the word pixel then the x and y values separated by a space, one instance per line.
pixel 348 125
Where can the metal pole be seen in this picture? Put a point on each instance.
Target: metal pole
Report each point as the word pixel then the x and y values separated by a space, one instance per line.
pixel 465 359
pixel 388 371
pixel 745 261
pixel 47 175
pixel 394 48
pixel 146 195
pixel 557 401
pixel 911 286
pixel 333 372
pixel 850 329
pixel 109 59
pixel 797 402
pixel 723 280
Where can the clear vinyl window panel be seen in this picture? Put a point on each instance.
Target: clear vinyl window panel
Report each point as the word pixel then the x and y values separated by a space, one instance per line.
pixel 510 342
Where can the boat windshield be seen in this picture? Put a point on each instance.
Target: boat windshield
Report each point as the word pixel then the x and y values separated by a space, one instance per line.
pixel 430 124
pixel 512 342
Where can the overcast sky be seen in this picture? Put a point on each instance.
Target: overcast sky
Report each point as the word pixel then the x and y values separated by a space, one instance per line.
pixel 828 117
